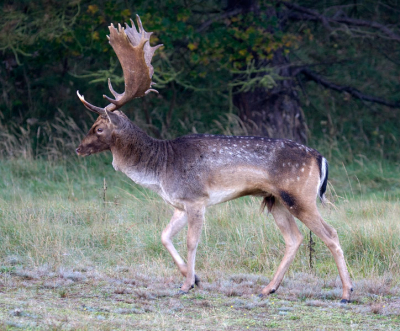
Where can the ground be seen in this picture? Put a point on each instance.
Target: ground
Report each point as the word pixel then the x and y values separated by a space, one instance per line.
pixel 127 300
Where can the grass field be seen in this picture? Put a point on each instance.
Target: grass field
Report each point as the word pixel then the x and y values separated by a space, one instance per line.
pixel 71 261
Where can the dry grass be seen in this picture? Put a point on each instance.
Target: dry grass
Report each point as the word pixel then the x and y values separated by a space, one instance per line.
pixel 55 141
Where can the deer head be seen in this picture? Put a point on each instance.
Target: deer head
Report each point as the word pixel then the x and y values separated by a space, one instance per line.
pixel 134 54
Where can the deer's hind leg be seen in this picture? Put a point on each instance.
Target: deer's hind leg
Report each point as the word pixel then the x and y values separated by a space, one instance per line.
pixel 311 217
pixel 293 238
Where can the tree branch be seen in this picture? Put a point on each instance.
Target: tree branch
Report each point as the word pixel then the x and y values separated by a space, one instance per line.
pixel 369 24
pixel 312 15
pixel 221 16
pixel 309 14
pixel 348 89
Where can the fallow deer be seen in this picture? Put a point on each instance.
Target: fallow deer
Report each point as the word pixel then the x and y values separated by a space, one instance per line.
pixel 199 170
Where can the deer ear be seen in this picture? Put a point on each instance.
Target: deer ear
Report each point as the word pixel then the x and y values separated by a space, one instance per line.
pixel 114 118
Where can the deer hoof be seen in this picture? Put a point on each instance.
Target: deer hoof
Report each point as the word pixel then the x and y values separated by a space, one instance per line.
pixel 196 281
pixel 190 287
pixel 262 295
pixel 180 292
pixel 344 301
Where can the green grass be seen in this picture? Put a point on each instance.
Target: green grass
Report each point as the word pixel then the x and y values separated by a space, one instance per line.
pixel 365 180
pixel 65 248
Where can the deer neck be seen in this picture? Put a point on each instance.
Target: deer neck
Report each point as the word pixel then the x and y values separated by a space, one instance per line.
pixel 139 156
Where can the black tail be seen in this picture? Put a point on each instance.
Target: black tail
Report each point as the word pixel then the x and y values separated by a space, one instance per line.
pixel 323 170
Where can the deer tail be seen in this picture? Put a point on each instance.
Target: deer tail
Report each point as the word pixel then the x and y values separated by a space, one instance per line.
pixel 323 179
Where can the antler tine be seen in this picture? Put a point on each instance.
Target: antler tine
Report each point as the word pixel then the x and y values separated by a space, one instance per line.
pixel 142 31
pixel 115 94
pixel 150 90
pixel 140 25
pixel 134 53
pixel 89 106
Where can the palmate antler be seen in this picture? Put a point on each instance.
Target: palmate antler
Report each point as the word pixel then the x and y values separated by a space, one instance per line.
pixel 134 53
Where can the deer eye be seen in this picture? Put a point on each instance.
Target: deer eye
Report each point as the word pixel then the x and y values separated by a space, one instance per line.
pixel 99 130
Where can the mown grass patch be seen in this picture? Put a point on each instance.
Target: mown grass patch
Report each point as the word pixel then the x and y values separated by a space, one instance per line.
pixel 129 300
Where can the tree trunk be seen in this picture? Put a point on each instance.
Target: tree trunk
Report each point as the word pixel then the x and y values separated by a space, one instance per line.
pixel 275 112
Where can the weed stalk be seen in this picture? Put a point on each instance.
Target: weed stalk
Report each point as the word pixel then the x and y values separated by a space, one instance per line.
pixel 104 191
pixel 311 244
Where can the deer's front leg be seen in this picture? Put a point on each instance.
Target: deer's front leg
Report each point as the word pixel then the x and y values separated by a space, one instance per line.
pixel 195 224
pixel 178 221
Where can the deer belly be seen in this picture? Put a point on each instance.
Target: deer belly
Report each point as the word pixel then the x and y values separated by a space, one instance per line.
pixel 234 182
pixel 219 196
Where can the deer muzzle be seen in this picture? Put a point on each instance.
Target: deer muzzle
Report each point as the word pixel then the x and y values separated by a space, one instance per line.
pixel 80 152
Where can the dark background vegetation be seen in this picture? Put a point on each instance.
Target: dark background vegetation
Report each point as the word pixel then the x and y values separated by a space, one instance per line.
pixel 325 73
